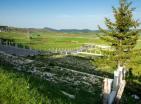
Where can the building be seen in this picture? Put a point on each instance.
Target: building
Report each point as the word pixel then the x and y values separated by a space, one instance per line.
pixel 3 28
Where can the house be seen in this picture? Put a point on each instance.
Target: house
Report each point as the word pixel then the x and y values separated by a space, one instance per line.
pixel 3 28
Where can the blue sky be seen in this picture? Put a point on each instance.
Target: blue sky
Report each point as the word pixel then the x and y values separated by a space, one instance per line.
pixel 59 14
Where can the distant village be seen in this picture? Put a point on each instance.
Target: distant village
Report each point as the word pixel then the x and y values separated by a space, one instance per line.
pixel 4 28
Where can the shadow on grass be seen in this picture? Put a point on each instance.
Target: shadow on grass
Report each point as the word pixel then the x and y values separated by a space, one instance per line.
pixel 53 91
pixel 131 89
pixel 84 65
pixel 74 63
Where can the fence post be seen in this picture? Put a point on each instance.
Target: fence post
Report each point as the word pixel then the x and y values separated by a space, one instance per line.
pixel 120 75
pixel 120 91
pixel 107 89
pixel 6 43
pixel 116 80
pixel 66 52
pixel 105 93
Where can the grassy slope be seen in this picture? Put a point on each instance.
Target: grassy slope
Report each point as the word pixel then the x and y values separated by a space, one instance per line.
pixel 59 40
pixel 18 88
pixel 46 40
pixel 23 88
pixel 50 39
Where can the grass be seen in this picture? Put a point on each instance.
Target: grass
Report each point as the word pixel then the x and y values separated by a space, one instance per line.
pixel 23 88
pixel 11 90
pixel 139 43
pixel 51 40
pixel 59 41
pixel 44 40
pixel 19 37
pixel 19 88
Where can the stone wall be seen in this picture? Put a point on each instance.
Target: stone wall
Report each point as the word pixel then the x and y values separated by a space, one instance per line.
pixel 56 74
pixel 19 51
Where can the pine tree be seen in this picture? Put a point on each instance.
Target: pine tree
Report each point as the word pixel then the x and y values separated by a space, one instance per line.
pixel 121 35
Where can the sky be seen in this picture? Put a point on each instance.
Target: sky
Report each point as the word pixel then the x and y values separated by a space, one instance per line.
pixel 60 14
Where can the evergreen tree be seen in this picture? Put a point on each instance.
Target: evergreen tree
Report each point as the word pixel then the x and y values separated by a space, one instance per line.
pixel 121 35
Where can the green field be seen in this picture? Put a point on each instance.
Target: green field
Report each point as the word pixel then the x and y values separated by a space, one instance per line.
pixel 44 40
pixel 51 40
pixel 20 88
pixel 47 39
pixel 24 88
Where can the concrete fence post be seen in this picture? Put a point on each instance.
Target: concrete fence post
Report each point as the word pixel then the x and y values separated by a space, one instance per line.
pixel 113 88
pixel 5 43
pixel 116 80
pixel 120 75
pixel 105 92
pixel 66 52
pixel 124 74
pixel 120 92
pixel 107 88
pixel 110 81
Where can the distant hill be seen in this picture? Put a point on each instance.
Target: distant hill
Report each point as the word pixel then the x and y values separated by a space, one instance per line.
pixel 72 30
pixel 45 29
pixel 75 30
pixel 50 29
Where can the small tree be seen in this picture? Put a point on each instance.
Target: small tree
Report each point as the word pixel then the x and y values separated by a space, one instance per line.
pixel 121 35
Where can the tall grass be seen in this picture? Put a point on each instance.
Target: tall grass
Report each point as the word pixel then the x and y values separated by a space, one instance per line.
pixel 18 88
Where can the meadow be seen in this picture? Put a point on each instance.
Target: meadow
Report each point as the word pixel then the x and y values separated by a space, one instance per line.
pixel 44 40
pixel 20 88
pixel 50 39
pixel 40 39
pixel 29 91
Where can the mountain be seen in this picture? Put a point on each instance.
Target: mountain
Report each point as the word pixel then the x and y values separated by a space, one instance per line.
pixel 53 30
pixel 50 29
pixel 71 30
pixel 75 30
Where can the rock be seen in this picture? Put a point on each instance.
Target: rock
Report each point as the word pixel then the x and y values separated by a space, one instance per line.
pixel 69 95
pixel 136 97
